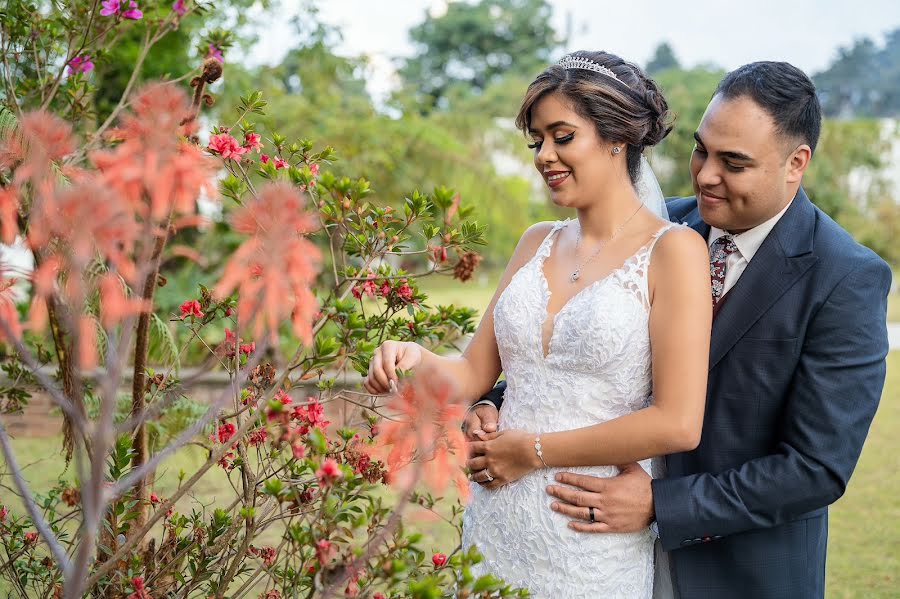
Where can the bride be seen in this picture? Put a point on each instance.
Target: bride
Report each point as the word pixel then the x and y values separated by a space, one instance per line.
pixel 590 316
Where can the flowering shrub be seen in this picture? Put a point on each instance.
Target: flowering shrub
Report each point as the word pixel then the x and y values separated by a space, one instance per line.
pixel 319 265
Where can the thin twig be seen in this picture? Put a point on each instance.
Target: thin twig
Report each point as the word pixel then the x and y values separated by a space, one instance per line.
pixel 36 518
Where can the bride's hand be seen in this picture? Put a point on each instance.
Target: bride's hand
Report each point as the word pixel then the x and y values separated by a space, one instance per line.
pixel 504 457
pixel 387 359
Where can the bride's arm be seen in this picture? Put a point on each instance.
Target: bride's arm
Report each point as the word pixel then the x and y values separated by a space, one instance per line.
pixel 680 323
pixel 476 370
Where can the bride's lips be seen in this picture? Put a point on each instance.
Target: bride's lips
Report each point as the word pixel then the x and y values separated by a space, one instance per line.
pixel 556 178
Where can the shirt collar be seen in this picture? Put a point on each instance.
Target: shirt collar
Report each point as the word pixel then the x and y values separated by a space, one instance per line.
pixel 749 241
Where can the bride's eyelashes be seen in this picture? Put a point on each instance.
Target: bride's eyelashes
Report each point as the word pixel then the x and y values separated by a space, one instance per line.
pixel 559 140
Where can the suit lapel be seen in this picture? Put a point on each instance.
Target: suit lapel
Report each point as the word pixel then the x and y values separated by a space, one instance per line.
pixel 784 256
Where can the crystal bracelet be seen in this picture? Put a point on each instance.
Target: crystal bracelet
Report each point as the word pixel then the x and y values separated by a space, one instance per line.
pixel 539 450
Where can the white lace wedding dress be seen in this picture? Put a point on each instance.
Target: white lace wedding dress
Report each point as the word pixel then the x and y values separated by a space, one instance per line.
pixel 597 368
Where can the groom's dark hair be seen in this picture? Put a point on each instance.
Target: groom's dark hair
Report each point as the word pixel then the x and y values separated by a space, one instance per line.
pixel 782 90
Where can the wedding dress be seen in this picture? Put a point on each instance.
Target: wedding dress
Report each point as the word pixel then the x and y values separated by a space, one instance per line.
pixel 597 368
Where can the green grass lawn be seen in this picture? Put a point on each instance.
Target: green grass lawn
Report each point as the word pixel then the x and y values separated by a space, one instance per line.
pixel 863 556
pixel 893 312
pixel 863 560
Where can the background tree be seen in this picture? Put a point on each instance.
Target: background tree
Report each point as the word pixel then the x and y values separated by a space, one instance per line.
pixel 663 59
pixel 864 80
pixel 475 45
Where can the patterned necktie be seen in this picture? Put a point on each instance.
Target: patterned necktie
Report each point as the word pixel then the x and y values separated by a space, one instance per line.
pixel 719 251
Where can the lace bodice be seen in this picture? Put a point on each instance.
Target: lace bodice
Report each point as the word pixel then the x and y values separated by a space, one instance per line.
pixel 597 368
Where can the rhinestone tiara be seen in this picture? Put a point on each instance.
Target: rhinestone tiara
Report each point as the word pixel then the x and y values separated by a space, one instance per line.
pixel 570 61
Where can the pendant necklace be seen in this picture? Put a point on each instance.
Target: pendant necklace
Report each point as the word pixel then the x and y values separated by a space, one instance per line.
pixel 577 272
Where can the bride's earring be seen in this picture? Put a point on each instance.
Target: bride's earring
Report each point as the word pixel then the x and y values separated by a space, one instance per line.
pixel 616 149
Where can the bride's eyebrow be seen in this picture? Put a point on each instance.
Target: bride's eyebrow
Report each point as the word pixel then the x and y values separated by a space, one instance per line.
pixel 554 125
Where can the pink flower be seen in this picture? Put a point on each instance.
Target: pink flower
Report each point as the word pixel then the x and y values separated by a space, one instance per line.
pixel 298 449
pixel 440 254
pixel 31 538
pixel 179 8
pixel 80 64
pixel 264 159
pixel 253 141
pixel 438 559
pixel 4 511
pixel 226 146
pixel 385 289
pixel 314 169
pixel 325 550
pixel 154 498
pixel 214 52
pixel 378 596
pixel 114 7
pixel 328 472
pixel 280 163
pixel 110 7
pixel 190 308
pixel 248 348
pixel 133 12
pixel 405 292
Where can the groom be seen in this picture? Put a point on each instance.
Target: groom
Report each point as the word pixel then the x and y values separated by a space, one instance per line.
pixel 797 362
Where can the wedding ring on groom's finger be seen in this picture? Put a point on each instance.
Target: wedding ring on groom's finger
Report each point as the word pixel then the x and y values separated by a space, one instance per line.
pixel 591 518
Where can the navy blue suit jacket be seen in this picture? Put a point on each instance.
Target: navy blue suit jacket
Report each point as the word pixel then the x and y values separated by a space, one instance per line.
pixel 797 366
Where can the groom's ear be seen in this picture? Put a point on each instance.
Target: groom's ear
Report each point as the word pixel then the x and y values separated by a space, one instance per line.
pixel 797 162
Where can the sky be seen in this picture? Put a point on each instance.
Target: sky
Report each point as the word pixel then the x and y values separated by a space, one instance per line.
pixel 806 33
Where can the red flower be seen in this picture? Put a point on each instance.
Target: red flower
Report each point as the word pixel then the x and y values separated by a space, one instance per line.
pixel 4 511
pixel 31 538
pixel 378 596
pixel 385 289
pixel 257 436
pixel 438 559
pixel 440 254
pixel 226 432
pixel 248 348
pixel 140 591
pixel 280 163
pixel 264 159
pixel 329 472
pixel 154 498
pixel 226 146
pixel 191 308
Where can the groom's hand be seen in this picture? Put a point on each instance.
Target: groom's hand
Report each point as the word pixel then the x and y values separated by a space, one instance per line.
pixel 480 419
pixel 623 503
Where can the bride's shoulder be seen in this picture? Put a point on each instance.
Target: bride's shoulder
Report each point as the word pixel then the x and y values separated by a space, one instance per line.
pixel 678 247
pixel 535 235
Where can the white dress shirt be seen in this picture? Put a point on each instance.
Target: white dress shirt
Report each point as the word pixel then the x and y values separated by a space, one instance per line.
pixel 747 243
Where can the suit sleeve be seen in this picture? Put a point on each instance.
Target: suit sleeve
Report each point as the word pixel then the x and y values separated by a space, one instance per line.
pixel 495 395
pixel 828 411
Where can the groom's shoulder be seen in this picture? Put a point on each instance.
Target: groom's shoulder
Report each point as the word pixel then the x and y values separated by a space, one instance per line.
pixel 835 245
pixel 677 207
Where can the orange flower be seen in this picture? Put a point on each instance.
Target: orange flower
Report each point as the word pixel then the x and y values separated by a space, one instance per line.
pixel 425 431
pixel 8 311
pixel 274 269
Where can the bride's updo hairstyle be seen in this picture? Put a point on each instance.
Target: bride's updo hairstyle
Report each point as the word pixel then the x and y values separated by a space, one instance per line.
pixel 626 106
